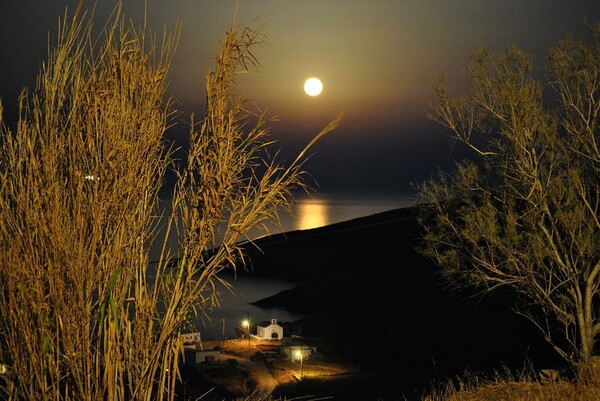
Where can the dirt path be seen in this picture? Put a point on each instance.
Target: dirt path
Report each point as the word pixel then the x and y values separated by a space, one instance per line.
pixel 265 382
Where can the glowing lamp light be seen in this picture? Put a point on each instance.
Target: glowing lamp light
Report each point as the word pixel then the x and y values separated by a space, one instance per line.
pixel 299 356
pixel 246 325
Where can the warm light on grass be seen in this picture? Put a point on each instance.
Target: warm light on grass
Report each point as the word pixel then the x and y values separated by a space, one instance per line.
pixel 507 387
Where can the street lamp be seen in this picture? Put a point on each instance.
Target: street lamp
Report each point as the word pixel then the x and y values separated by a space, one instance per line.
pixel 246 324
pixel 300 356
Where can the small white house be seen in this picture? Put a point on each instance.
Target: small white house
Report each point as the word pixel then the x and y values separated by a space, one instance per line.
pixel 269 331
pixel 194 356
pixel 297 351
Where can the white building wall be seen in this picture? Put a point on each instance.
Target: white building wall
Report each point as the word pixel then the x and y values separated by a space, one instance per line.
pixel 291 352
pixel 267 332
pixel 195 356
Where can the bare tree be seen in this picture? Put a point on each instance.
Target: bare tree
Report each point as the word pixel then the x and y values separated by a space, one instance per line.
pixel 83 314
pixel 524 211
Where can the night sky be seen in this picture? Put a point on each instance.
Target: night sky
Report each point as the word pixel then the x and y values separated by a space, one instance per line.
pixel 377 60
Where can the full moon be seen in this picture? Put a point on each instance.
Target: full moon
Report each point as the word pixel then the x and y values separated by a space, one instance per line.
pixel 313 86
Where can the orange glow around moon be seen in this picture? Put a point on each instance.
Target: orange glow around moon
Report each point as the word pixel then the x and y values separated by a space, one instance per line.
pixel 313 86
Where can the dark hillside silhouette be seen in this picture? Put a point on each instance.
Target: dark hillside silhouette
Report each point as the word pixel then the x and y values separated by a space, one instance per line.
pixel 379 303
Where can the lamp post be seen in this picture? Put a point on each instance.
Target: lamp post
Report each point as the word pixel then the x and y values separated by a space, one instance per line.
pixel 300 356
pixel 246 324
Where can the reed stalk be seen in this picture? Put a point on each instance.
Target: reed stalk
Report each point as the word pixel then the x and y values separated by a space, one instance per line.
pixel 83 314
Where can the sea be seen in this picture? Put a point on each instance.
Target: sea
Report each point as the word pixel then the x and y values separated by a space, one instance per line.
pixel 309 211
pixel 323 209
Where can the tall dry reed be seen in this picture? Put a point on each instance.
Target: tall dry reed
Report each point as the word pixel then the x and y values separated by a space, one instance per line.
pixel 83 314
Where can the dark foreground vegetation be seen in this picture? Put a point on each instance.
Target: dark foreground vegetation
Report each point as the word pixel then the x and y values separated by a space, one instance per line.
pixel 381 304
